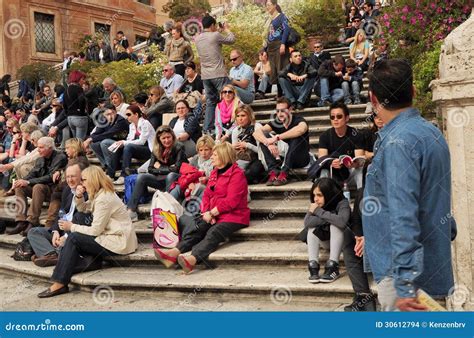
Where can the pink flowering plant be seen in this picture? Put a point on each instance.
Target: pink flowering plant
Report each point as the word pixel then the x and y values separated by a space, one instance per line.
pixel 415 31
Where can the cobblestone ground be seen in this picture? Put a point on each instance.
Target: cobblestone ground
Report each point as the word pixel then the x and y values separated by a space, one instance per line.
pixel 19 294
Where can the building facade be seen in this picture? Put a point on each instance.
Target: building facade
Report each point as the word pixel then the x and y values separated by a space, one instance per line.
pixel 41 30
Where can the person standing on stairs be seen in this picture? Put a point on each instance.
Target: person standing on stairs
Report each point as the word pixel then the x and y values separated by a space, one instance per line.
pixel 325 221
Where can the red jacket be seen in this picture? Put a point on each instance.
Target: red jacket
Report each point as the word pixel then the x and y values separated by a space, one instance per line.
pixel 228 192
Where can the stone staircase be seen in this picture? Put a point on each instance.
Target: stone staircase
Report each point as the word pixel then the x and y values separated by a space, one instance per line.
pixel 263 261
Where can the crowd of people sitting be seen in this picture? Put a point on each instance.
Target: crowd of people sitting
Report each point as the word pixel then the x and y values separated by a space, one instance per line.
pixel 47 141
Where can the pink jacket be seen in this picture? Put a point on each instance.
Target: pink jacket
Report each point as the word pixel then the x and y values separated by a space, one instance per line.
pixel 228 192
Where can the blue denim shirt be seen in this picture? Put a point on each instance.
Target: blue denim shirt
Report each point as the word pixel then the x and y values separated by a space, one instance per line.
pixel 406 210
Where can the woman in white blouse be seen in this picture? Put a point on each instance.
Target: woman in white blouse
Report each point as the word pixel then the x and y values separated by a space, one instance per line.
pixel 139 142
pixel 116 98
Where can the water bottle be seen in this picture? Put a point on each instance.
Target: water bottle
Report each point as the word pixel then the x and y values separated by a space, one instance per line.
pixel 62 215
pixel 346 192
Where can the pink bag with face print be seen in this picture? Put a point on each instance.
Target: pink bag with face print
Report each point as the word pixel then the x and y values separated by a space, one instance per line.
pixel 165 229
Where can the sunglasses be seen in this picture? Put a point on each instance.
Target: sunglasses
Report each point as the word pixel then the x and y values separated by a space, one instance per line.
pixel 318 46
pixel 128 114
pixel 151 94
pixel 166 70
pixel 337 117
pixel 16 132
pixel 227 92
pixel 357 20
pixel 286 110
pixel 233 59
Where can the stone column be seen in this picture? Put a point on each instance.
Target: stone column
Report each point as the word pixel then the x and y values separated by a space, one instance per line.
pixel 454 94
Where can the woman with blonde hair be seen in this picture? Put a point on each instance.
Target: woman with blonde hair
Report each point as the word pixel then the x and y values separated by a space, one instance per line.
pixel 359 50
pixel 157 105
pixel 224 211
pixel 117 99
pixel 225 113
pixel 166 159
pixel 111 232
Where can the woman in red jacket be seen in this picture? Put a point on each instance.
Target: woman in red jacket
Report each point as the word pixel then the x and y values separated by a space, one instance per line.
pixel 224 211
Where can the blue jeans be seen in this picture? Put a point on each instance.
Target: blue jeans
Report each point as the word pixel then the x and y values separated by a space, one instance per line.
pixel 264 83
pixel 326 95
pixel 111 159
pixel 144 181
pixel 347 86
pixel 40 239
pixel 297 94
pixel 212 89
pixel 245 96
pixel 138 151
pixel 78 126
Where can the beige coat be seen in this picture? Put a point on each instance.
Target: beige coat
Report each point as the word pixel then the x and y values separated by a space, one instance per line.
pixel 111 224
pixel 23 165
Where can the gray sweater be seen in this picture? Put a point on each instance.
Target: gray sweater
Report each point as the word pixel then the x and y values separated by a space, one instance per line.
pixel 340 217
pixel 209 47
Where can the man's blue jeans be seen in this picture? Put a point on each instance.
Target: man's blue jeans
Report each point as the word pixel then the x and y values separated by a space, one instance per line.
pixel 297 94
pixel 347 86
pixel 326 95
pixel 212 89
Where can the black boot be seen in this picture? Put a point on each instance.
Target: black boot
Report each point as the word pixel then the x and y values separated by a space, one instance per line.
pixel 20 226
pixel 313 268
pixel 331 272
pixel 362 302
pixel 3 227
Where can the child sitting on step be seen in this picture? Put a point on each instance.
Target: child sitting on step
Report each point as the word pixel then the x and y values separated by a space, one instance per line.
pixel 326 220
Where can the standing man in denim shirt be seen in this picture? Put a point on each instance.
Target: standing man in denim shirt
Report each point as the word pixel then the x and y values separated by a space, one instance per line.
pixel 406 210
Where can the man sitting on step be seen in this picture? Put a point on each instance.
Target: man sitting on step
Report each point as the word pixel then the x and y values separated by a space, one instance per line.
pixel 47 242
pixel 38 185
pixel 331 73
pixel 283 143
pixel 297 80
pixel 339 140
pixel 110 127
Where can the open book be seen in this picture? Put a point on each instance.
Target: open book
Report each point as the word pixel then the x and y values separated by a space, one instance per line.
pixel 346 160
pixel 426 300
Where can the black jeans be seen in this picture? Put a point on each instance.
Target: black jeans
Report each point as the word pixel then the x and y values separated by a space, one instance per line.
pixel 354 264
pixel 295 158
pixel 77 245
pixel 204 238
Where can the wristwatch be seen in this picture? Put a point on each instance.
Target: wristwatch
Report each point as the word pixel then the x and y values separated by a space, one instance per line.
pixel 278 137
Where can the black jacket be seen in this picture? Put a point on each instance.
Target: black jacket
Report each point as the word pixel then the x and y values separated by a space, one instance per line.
pixel 301 69
pixel 327 70
pixel 77 218
pixel 61 120
pixel 177 157
pixel 42 172
pixel 115 131
pixel 74 101
pixel 191 126
pixel 316 61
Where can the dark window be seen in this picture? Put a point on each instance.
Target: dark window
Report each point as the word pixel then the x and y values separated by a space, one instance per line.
pixel 44 33
pixel 145 2
pixel 103 31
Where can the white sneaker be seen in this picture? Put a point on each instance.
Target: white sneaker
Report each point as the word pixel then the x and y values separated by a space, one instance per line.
pixel 133 215
pixel 120 181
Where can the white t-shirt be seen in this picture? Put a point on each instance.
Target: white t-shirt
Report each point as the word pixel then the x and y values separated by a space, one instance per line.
pixel 179 127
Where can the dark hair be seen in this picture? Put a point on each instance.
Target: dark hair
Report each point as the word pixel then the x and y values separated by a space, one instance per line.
pixel 339 105
pixel 6 99
pixel 368 3
pixel 6 78
pixel 59 89
pixel 350 63
pixel 275 3
pixel 80 161
pixel 82 55
pixel 294 51
pixel 208 21
pixel 135 109
pixel 141 98
pixel 110 106
pixel 339 60
pixel 120 32
pixel 331 191
pixel 182 101
pixel 190 64
pixel 283 100
pixel 356 17
pixel 391 81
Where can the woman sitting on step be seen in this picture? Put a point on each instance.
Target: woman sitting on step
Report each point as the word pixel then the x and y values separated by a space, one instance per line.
pixel 111 232
pixel 224 211
pixel 325 221
pixel 225 113
pixel 166 159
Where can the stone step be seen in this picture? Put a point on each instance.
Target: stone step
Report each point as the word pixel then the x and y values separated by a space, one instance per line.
pixel 271 98
pixel 277 282
pixel 319 120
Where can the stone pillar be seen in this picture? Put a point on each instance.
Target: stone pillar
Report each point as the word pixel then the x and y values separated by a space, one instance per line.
pixel 454 94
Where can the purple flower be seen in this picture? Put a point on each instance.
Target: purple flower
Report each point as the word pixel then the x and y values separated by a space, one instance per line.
pixel 466 9
pixel 405 10
pixel 439 10
pixel 403 17
pixel 450 20
pixel 433 5
pixel 387 24
pixel 386 16
pixel 390 30
pixel 413 20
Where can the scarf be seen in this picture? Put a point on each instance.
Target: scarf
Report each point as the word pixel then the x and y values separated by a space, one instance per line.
pixel 226 111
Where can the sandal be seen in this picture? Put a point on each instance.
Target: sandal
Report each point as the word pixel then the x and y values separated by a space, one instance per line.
pixel 184 263
pixel 168 261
